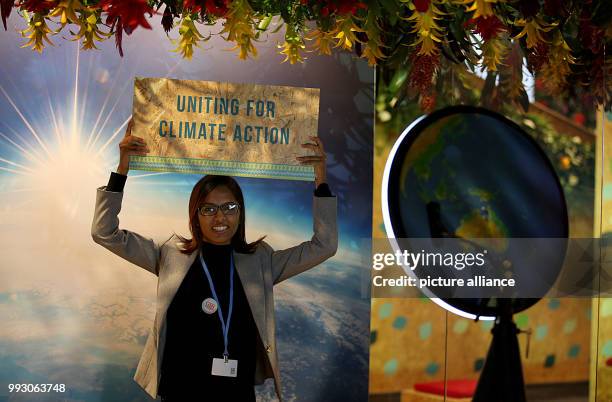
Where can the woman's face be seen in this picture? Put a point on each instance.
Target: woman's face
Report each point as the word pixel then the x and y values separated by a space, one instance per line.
pixel 219 228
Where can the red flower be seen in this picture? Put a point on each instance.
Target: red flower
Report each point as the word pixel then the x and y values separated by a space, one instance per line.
pixel 130 12
pixel 5 10
pixel 488 27
pixel 538 57
pixel 217 7
pixel 539 84
pixel 118 34
pixel 193 5
pixel 340 7
pixel 556 8
pixel 590 35
pixel 349 6
pixel 428 102
pixel 167 20
pixel 125 15
pixel 214 7
pixel 421 5
pixel 579 118
pixel 36 6
pixel 424 68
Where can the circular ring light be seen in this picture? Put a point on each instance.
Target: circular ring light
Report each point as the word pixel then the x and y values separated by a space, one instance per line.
pixel 477 148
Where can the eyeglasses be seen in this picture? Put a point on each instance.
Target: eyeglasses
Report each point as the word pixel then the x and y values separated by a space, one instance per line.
pixel 229 208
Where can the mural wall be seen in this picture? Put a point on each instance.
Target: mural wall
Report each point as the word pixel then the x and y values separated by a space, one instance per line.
pixel 75 314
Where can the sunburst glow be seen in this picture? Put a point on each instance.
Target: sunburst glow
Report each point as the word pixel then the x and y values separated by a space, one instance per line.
pixel 62 165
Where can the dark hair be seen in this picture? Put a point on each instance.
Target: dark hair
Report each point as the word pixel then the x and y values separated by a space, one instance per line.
pixel 202 188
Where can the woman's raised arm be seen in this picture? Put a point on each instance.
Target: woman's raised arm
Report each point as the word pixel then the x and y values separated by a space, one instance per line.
pixel 309 254
pixel 105 231
pixel 324 242
pixel 137 249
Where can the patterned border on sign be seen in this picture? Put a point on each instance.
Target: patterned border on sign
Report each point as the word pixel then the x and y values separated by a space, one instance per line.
pixel 230 168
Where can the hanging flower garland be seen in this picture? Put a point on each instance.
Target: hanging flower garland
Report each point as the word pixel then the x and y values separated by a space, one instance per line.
pixel 561 43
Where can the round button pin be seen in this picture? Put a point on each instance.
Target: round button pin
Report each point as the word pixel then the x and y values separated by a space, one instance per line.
pixel 209 306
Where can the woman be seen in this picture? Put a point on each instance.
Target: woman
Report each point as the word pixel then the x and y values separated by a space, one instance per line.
pixel 213 335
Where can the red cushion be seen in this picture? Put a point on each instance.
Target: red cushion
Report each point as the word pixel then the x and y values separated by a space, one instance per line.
pixel 609 362
pixel 454 388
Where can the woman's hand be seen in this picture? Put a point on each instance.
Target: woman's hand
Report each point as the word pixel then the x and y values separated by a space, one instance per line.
pixel 130 145
pixel 317 160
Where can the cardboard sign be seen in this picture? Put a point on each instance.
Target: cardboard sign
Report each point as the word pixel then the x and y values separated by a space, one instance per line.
pixel 224 128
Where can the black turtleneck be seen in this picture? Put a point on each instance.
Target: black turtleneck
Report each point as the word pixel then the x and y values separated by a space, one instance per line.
pixel 194 338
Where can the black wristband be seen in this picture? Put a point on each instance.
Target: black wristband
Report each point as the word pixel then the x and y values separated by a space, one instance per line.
pixel 323 191
pixel 116 182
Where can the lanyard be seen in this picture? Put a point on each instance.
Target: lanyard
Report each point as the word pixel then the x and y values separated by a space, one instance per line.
pixel 224 327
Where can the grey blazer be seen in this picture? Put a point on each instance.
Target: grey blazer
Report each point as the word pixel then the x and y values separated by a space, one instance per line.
pixel 258 272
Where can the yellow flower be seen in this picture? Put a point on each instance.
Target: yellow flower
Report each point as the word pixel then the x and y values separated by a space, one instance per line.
pixel 66 10
pixel 372 54
pixel 481 8
pixel 88 29
pixel 425 25
pixel 533 29
pixel 292 51
pixel 373 48
pixel 37 32
pixel 345 32
pixel 555 72
pixel 293 46
pixel 323 41
pixel 494 51
pixel 189 37
pixel 246 47
pixel 238 26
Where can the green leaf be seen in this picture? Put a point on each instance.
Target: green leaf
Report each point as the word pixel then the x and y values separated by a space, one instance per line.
pixel 392 8
pixel 398 80
pixel 264 23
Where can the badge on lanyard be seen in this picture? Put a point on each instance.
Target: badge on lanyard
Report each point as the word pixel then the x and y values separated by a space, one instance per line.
pixel 209 306
pixel 224 367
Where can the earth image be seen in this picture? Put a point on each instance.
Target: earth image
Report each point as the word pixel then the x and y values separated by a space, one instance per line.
pixel 321 329
pixel 487 178
pixel 470 175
